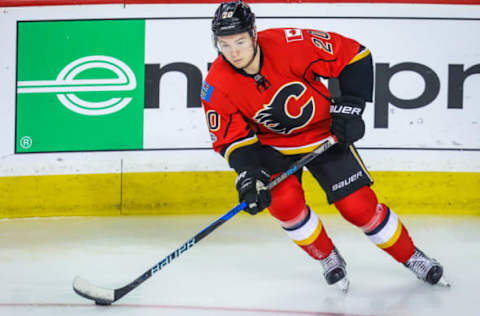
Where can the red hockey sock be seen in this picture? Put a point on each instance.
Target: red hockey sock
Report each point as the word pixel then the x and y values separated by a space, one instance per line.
pixel 403 248
pixel 311 236
pixel 391 235
pixel 301 224
pixel 378 222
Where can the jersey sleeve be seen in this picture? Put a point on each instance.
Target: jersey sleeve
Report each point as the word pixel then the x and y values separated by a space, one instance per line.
pixel 356 79
pixel 229 131
pixel 329 53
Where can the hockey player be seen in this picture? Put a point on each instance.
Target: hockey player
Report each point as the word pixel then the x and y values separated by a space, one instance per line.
pixel 266 106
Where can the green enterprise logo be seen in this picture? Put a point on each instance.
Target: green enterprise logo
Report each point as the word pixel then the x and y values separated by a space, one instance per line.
pixel 80 85
pixel 66 85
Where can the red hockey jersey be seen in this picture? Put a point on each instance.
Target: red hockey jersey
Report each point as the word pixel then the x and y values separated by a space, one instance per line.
pixel 293 114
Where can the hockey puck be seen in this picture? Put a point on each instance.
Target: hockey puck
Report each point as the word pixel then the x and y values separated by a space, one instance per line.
pixel 103 303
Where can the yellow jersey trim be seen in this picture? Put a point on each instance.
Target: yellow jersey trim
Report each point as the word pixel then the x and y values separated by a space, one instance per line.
pixel 360 55
pixel 241 143
pixel 300 150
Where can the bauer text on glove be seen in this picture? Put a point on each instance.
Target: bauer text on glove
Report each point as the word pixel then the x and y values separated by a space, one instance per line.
pixel 347 123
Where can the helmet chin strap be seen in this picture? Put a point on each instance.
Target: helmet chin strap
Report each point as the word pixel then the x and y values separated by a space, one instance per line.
pixel 255 51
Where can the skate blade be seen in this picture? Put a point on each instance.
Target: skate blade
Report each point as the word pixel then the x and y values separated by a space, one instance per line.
pixel 343 285
pixel 444 282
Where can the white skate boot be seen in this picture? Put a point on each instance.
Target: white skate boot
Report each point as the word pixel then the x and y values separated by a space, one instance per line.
pixel 426 269
pixel 335 273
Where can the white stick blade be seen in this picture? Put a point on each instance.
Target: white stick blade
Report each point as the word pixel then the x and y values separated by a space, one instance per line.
pixel 89 290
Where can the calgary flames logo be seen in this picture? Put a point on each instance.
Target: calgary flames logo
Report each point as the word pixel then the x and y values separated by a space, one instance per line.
pixel 276 115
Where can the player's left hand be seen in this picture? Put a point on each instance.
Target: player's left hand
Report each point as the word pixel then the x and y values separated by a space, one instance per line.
pixel 347 123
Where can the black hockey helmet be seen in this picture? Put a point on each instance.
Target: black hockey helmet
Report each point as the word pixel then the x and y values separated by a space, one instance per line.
pixel 233 18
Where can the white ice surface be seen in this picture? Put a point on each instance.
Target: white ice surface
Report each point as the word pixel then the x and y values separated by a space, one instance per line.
pixel 246 267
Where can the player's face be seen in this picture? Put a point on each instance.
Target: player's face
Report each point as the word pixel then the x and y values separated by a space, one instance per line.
pixel 238 49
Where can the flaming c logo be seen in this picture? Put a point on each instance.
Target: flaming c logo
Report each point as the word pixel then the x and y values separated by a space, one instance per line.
pixel 276 116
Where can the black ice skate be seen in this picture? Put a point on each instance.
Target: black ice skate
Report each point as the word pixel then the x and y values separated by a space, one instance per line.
pixel 335 273
pixel 426 269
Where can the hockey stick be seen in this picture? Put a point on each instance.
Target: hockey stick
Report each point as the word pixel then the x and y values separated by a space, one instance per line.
pixel 104 296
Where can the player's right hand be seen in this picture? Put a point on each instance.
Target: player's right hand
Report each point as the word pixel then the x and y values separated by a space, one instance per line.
pixel 252 189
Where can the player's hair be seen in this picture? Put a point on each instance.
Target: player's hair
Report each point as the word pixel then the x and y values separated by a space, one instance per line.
pixel 233 18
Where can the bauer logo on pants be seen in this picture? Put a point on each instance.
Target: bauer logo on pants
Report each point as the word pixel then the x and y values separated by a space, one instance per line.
pixel 80 85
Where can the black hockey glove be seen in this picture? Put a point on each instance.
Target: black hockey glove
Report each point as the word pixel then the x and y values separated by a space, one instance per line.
pixel 347 123
pixel 252 189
